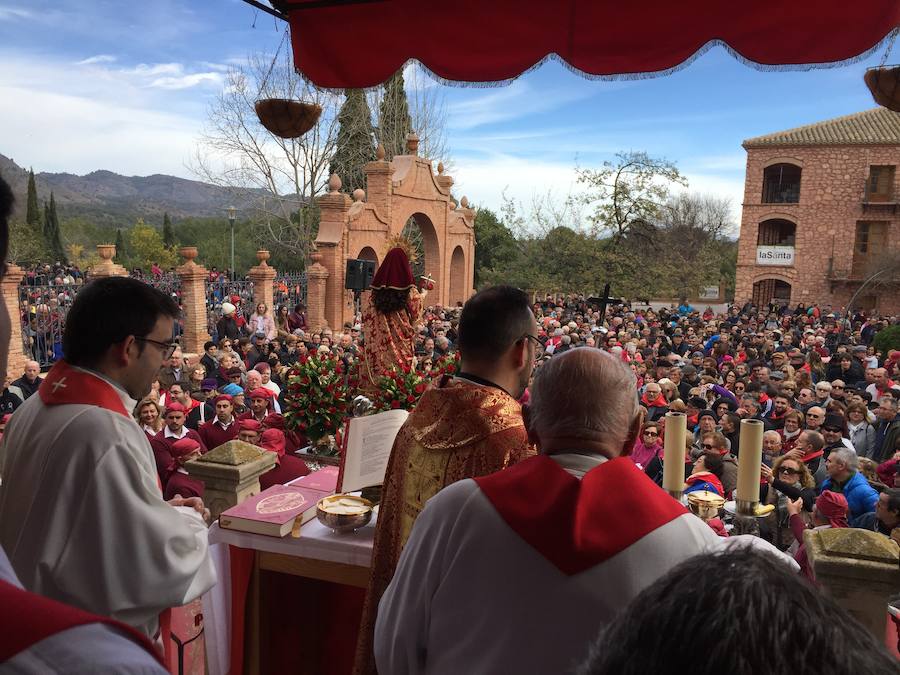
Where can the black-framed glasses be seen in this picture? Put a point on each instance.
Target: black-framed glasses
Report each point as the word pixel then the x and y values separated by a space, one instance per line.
pixel 707 446
pixel 167 347
pixel 650 433
pixel 529 336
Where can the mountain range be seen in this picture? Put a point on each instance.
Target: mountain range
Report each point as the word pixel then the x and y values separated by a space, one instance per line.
pixel 109 198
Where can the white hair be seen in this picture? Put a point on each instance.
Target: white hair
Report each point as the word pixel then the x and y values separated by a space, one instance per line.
pixel 584 393
pixel 847 457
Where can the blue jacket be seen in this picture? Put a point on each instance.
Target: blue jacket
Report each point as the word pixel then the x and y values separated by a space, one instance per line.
pixel 860 496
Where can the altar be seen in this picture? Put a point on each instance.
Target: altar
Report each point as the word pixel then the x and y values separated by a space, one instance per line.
pixel 319 579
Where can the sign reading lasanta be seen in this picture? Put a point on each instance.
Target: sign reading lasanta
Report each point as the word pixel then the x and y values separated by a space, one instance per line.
pixel 775 255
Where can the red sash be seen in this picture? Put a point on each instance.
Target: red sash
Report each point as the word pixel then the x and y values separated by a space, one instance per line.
pixel 28 618
pixel 577 524
pixel 67 385
pixel 810 456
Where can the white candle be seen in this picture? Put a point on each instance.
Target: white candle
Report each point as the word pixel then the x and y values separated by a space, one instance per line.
pixel 673 458
pixel 749 463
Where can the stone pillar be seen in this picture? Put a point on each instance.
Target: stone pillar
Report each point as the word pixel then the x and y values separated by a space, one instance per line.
pixel 10 285
pixel 316 281
pixel 333 208
pixel 106 267
pixel 230 474
pixel 193 301
pixel 263 278
pixel 378 184
pixel 859 569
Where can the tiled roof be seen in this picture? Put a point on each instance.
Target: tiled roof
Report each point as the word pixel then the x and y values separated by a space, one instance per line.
pixel 878 126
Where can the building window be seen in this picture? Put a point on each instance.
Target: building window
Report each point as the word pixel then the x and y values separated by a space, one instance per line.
pixel 880 186
pixel 776 232
pixel 871 240
pixel 781 184
pixel 771 291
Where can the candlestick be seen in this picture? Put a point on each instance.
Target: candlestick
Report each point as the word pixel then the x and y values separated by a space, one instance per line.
pixel 673 457
pixel 749 463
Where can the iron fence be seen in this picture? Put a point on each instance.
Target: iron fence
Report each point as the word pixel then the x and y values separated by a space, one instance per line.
pixel 290 290
pixel 42 312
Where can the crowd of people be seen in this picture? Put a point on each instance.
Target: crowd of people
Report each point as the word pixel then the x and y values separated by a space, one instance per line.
pixel 524 486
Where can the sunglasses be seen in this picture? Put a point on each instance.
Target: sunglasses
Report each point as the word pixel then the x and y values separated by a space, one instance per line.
pixel 650 433
pixel 832 430
pixel 787 471
pixel 707 446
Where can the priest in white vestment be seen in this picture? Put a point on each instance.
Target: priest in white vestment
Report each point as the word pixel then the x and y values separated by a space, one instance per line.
pixel 82 516
pixel 517 572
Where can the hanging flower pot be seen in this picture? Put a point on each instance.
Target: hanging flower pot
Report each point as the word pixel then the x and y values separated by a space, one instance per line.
pixel 884 83
pixel 286 118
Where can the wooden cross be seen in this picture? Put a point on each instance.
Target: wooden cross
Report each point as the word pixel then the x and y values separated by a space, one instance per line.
pixel 603 302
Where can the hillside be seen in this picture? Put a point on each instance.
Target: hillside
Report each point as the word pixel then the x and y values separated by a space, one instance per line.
pixel 108 198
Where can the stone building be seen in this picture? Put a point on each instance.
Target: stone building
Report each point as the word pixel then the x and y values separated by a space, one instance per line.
pixel 820 214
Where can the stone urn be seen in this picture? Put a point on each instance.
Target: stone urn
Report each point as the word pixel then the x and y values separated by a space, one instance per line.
pixel 189 253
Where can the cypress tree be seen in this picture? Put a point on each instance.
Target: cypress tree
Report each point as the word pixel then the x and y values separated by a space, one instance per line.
pixel 394 122
pixel 354 145
pixel 33 215
pixel 121 253
pixel 168 232
pixel 52 234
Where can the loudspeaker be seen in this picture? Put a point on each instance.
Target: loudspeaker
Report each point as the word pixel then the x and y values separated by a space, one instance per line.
pixel 359 275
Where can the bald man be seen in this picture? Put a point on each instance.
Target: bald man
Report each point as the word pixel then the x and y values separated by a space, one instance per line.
pixel 30 380
pixel 516 543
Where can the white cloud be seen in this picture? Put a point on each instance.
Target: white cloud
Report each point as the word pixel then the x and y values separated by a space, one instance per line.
pixel 14 13
pixel 99 58
pixel 517 100
pixel 186 81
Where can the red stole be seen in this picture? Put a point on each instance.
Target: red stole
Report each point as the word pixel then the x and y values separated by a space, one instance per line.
pixel 28 618
pixel 67 385
pixel 64 384
pixel 578 524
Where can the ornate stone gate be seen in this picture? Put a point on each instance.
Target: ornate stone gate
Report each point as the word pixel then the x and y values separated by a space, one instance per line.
pixel 359 226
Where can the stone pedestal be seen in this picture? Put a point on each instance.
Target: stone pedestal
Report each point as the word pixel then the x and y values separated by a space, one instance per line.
pixel 263 278
pixel 333 209
pixel 230 473
pixel 17 356
pixel 106 267
pixel 193 301
pixel 859 569
pixel 316 283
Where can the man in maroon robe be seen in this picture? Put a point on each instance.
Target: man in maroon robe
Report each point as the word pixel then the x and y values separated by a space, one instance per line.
pixel 223 428
pixel 173 431
pixel 287 467
pixel 180 483
pixel 259 405
pixel 249 431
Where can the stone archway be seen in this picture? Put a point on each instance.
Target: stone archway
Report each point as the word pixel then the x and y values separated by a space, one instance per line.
pixel 770 290
pixel 403 191
pixel 420 231
pixel 457 276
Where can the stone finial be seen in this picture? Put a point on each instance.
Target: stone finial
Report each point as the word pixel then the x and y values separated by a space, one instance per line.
pixel 106 252
pixel 412 143
pixel 334 183
pixel 440 168
pixel 188 253
pixel 379 153
pixel 315 257
pixel 464 202
pixel 262 256
pixel 452 205
pixel 359 195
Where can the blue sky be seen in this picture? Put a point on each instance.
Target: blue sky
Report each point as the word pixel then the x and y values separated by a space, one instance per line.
pixel 103 84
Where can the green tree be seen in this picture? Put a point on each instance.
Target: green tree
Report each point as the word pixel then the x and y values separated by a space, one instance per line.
pixel 145 244
pixel 121 250
pixel 51 232
pixel 394 121
pixel 168 234
pixel 26 246
pixel 355 144
pixel 495 246
pixel 628 193
pixel 33 215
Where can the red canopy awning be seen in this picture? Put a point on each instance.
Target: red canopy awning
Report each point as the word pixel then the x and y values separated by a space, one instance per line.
pixel 360 44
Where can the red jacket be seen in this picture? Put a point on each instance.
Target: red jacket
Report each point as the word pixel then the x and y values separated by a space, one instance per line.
pixel 213 435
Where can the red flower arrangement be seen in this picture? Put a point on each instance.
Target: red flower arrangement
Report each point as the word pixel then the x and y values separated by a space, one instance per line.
pixel 399 387
pixel 448 364
pixel 317 396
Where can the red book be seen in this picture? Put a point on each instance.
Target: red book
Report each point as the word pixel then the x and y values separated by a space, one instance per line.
pixel 272 512
pixel 324 480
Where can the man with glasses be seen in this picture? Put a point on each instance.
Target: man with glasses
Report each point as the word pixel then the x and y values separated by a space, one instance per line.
pixel 815 418
pixel 716 444
pixel 467 426
pixel 823 394
pixel 82 515
pixel 174 372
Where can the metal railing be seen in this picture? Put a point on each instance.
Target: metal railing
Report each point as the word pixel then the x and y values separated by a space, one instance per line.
pixel 42 312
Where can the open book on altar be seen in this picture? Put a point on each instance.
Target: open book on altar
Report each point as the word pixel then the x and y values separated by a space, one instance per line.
pixel 274 511
pixel 366 449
